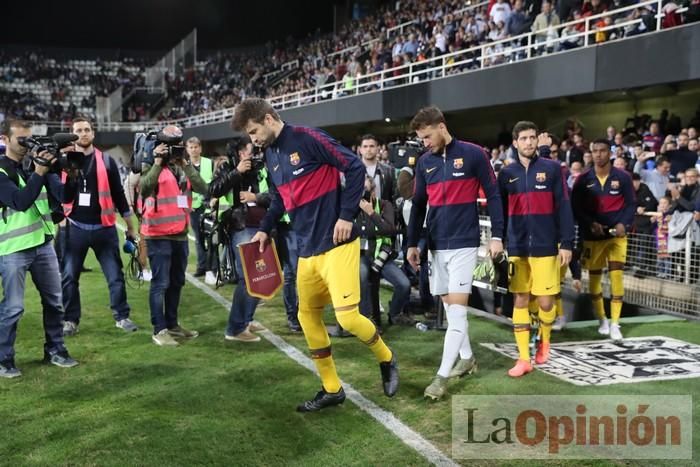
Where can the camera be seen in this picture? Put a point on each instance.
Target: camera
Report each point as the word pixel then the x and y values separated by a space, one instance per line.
pixel 257 161
pixel 406 154
pixel 145 144
pixel 209 231
pixel 384 253
pixel 53 144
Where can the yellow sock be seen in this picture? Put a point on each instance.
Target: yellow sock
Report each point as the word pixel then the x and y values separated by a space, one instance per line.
pixel 595 288
pixel 311 320
pixel 521 330
pixel 546 320
pixel 365 330
pixel 617 291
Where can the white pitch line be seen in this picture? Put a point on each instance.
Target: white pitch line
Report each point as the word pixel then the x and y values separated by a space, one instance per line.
pixel 409 437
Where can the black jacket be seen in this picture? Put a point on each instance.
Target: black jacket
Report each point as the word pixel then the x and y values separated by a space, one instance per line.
pixel 386 181
pixel 689 195
pixel 228 179
pixel 646 200
pixel 376 225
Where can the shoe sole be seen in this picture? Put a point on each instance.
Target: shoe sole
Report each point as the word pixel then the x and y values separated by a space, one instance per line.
pixel 231 338
pixel 63 365
pixel 127 330
pixel 6 376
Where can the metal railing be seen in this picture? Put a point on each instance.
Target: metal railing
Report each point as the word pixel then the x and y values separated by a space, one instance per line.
pixel 667 282
pixel 526 46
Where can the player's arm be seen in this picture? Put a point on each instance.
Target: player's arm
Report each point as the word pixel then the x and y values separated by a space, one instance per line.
pixel 495 206
pixel 275 210
pixel 579 195
pixel 565 216
pixel 503 191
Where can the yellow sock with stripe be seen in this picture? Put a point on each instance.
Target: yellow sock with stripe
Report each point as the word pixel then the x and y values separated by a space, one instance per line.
pixel 617 291
pixel 311 320
pixel 595 288
pixel 546 320
pixel 521 330
pixel 365 330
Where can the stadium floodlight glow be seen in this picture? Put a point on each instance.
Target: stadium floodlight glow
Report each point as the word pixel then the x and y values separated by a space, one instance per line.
pixel 387 119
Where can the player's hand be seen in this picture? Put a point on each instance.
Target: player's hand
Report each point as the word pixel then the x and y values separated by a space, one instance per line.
pixel 578 286
pixel 495 248
pixel 564 257
pixel 597 230
pixel 543 139
pixel 620 230
pixel 640 210
pixel 366 207
pixel 158 153
pixel 413 257
pixel 342 231
pixel 261 237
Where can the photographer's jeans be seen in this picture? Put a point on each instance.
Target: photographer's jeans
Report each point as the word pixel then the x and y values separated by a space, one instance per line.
pixel 243 305
pixel 104 241
pixel 395 276
pixel 41 262
pixel 195 218
pixel 289 257
pixel 168 259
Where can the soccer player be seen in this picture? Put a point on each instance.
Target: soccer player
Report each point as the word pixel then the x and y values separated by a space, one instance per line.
pixel 304 165
pixel 448 177
pixel 540 229
pixel 604 204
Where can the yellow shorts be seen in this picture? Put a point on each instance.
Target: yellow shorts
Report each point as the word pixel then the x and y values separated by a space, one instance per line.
pixel 597 254
pixel 331 277
pixel 538 276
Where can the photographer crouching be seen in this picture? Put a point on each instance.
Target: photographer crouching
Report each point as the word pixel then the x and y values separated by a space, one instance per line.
pixel 377 239
pixel 26 232
pixel 167 182
pixel 242 176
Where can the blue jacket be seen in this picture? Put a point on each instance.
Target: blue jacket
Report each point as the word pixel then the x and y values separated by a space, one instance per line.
pixel 536 201
pixel 610 204
pixel 304 167
pixel 450 185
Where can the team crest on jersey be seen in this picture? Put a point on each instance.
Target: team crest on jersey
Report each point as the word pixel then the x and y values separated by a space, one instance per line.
pixel 541 177
pixel 615 184
pixel 294 159
pixel 459 163
pixel 260 265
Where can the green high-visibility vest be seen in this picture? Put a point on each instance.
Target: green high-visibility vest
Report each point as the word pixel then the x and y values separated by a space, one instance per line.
pixel 206 172
pixel 21 230
pixel 380 240
pixel 225 202
pixel 264 188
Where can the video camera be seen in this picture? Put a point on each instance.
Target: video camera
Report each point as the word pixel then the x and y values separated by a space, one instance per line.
pixel 71 160
pixel 145 144
pixel 404 154
pixel 238 143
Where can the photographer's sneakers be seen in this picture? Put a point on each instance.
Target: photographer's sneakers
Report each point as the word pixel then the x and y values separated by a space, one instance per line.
pixel 179 331
pixel 70 328
pixel 245 336
pixel 210 278
pixel 9 370
pixel 164 339
pixel 60 359
pixel 127 325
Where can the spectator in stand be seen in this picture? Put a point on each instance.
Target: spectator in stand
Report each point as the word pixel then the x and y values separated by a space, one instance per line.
pixel 657 179
pixel 500 11
pixel 652 139
pixel 642 244
pixel 575 171
pixel 545 23
pixel 681 158
pixel 661 220
pixel 593 7
pixel 518 22
pixel 684 197
pixel 587 159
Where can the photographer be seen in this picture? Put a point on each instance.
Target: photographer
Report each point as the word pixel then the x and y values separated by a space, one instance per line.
pixel 93 194
pixel 26 232
pixel 167 181
pixel 202 165
pixel 377 238
pixel 242 177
